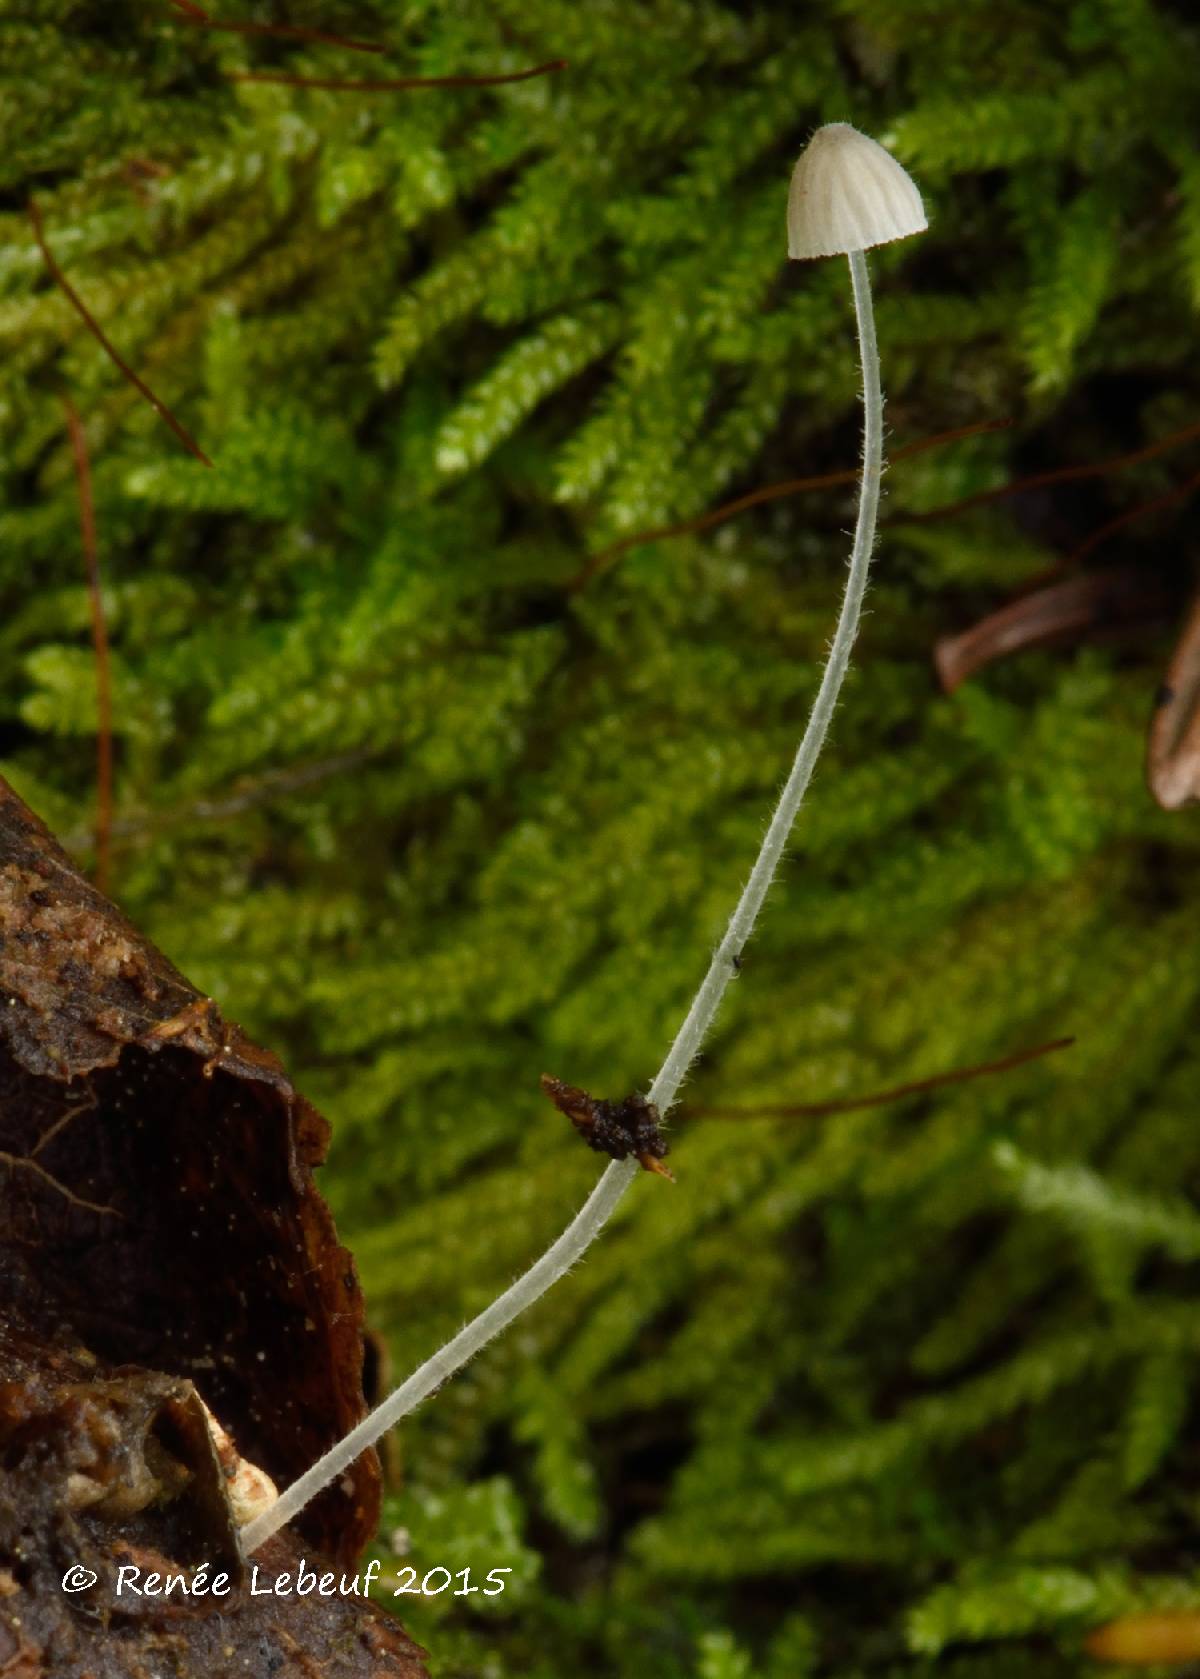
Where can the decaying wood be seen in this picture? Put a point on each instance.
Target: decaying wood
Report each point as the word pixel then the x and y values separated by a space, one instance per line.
pixel 161 1243
pixel 109 1468
pixel 1173 748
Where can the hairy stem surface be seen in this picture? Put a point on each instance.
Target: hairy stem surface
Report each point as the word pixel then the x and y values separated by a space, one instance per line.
pixel 616 1178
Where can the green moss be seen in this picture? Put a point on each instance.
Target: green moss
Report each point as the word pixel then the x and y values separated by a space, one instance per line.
pixel 852 1396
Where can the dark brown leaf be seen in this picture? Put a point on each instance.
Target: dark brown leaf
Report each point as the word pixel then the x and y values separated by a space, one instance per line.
pixel 1173 749
pixel 1090 603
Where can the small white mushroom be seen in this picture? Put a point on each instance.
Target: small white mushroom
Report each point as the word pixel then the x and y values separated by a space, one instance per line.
pixel 848 194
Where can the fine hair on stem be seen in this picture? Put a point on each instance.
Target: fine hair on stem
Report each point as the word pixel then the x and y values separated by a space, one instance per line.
pixel 616 1178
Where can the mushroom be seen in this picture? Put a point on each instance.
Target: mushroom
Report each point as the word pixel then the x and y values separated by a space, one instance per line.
pixel 847 194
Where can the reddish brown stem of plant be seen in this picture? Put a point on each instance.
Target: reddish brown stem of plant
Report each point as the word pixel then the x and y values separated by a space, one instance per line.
pixel 1168 499
pixel 286 31
pixel 918 1087
pixel 104 708
pixel 1060 475
pixel 597 563
pixel 97 333
pixel 400 84
pixel 1090 543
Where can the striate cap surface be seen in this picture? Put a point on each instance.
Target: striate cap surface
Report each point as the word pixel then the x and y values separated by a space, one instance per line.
pixel 848 194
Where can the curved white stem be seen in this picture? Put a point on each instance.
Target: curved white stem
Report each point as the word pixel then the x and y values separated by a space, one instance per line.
pixel 617 1177
pixel 741 923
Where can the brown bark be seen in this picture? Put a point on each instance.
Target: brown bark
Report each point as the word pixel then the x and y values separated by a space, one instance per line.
pixel 113 1467
pixel 161 1242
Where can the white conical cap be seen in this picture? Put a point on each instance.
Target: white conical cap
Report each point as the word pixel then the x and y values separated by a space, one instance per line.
pixel 848 194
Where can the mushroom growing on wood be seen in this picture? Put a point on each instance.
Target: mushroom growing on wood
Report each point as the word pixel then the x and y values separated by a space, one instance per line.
pixel 164 1255
pixel 845 187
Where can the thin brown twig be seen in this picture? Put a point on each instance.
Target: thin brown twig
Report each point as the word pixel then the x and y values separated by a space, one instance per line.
pixel 399 84
pixel 97 333
pixel 917 1087
pixel 104 707
pixel 1051 573
pixel 596 563
pixel 288 31
pixel 1179 493
pixel 772 492
pixel 272 785
pixel 957 657
pixel 1059 475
